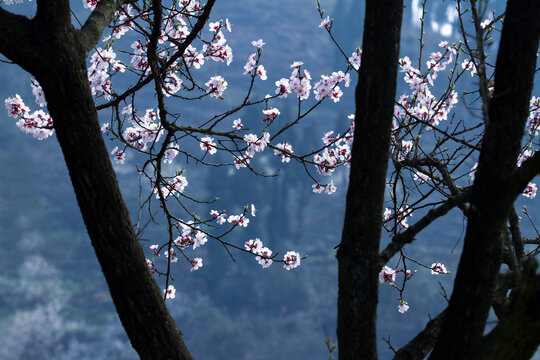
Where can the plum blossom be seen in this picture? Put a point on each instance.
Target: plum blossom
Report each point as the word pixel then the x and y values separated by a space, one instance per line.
pixel 207 144
pixel 196 264
pixel 170 153
pixel 438 268
pixel 255 143
pixel 172 187
pixel 173 256
pixel 524 156
pixel 387 275
pixel 264 257
pixel 252 210
pixel 154 248
pixel 330 188
pixel 261 72
pixel 88 4
pixel 237 124
pixel 254 245
pixel 403 307
pixel 468 64
pixel 356 59
pixel 239 220
pixel 291 260
pixel 318 188
pixel 216 86
pixel 172 84
pixel 533 121
pixel 38 93
pixel 220 216
pixel 258 44
pixel 119 156
pixel 300 80
pixel 270 114
pixel 242 161
pixel 530 191
pixel 326 23
pixel 285 158
pixel 170 292
pixel 151 266
pixel 283 88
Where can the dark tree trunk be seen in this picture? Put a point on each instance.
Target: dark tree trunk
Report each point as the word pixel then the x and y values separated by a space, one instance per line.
pixel 358 253
pixel 492 196
pixel 53 53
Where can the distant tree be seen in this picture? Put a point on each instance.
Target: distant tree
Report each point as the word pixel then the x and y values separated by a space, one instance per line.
pixel 164 57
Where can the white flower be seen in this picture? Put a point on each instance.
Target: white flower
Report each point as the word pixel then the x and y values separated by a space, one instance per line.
pixel 438 268
pixel 171 292
pixel 291 260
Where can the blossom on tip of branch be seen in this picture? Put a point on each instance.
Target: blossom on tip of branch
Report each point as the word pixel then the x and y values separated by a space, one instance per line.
pixel 438 268
pixel 258 44
pixel 403 307
pixel 291 260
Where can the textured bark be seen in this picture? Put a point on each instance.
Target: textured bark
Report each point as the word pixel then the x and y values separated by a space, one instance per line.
pixel 57 58
pixel 492 195
pixel 358 254
pixel 517 335
pixel 421 345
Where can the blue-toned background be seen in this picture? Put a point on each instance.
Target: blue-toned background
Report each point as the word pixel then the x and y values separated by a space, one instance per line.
pixel 54 303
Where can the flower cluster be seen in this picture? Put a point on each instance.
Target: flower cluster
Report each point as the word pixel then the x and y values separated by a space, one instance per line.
pixel 401 218
pixel 216 86
pixel 37 123
pixel 144 130
pixel 285 154
pixel 328 87
pixel 172 187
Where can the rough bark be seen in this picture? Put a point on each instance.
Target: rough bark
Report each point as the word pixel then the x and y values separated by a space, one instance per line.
pixel 517 335
pixel 421 345
pixel 358 254
pixel 57 58
pixel 492 194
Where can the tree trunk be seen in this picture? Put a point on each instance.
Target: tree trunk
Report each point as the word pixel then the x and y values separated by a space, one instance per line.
pixel 358 253
pixel 492 197
pixel 53 53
